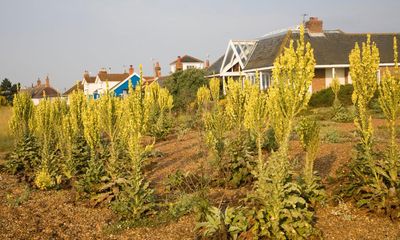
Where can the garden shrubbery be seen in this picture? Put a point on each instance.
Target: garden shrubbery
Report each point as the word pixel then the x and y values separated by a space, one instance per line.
pixel 326 97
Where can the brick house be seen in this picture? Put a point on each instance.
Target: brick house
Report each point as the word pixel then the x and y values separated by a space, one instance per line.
pixel 41 91
pixel 331 52
pixel 186 62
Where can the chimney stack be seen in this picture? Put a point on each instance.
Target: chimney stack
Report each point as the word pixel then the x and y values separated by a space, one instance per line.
pixel 47 81
pixel 157 70
pixel 39 82
pixel 206 64
pixel 314 25
pixel 103 71
pixel 179 65
pixel 131 70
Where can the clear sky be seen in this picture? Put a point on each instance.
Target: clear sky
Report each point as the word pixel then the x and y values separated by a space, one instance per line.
pixel 62 38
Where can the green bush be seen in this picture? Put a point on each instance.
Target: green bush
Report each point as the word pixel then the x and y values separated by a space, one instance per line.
pixel 183 86
pixel 325 97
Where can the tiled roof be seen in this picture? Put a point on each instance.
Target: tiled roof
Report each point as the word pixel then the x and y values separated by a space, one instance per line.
pixel 187 59
pixel 49 91
pixel 333 47
pixel 79 86
pixel 89 79
pixel 112 77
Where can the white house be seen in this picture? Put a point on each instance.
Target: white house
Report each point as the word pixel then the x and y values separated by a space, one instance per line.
pixel 186 62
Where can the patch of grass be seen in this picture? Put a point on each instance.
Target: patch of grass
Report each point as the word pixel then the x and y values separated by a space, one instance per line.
pixel 6 138
pixel 17 200
pixel 335 136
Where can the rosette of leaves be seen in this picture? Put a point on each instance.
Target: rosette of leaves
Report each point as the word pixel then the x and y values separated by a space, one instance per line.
pixel 224 225
pixel 285 213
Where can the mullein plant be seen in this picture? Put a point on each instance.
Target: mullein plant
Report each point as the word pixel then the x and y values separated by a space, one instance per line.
pixel 75 149
pixel 25 157
pixel 136 197
pixel 91 130
pixel 111 124
pixel 159 103
pixel 365 181
pixel 308 131
pixel 335 86
pixel 110 114
pixel 339 112
pixel 389 99
pixel 47 117
pixel 284 210
pixel 279 210
pixel 256 119
pixel 239 161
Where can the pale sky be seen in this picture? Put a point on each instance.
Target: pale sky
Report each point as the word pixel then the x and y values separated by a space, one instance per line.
pixel 64 38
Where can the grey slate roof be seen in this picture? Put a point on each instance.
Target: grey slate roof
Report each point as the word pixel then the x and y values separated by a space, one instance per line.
pixel 332 48
pixel 216 66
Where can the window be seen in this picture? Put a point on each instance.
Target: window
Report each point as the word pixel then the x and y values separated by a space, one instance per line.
pixel 190 67
pixel 265 80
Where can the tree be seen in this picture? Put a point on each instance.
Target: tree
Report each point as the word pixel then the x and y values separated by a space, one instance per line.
pixel 183 86
pixel 7 90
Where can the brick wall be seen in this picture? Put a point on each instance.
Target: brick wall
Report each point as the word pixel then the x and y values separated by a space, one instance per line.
pixel 318 82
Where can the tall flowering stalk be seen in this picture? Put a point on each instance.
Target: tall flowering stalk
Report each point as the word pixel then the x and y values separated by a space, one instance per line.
pixel 256 116
pixel 110 123
pixel 22 112
pixel 286 211
pixel 48 116
pixel 75 148
pixel 389 99
pixel 292 76
pixel 25 157
pixel 364 64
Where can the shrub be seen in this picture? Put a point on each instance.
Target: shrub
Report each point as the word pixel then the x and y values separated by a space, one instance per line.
pixel 325 97
pixel 183 86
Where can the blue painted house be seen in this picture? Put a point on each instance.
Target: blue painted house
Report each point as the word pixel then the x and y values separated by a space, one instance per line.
pixel 121 88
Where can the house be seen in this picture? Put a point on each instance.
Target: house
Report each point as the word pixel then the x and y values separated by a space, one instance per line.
pixel 94 86
pixel 331 52
pixel 121 88
pixel 186 62
pixel 41 91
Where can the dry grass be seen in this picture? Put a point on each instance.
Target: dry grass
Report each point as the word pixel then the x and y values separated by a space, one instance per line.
pixel 6 138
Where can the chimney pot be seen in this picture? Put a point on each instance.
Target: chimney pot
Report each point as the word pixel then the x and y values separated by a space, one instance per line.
pixel 314 25
pixel 131 69
pixel 179 65
pixel 207 64
pixel 157 69
pixel 47 81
